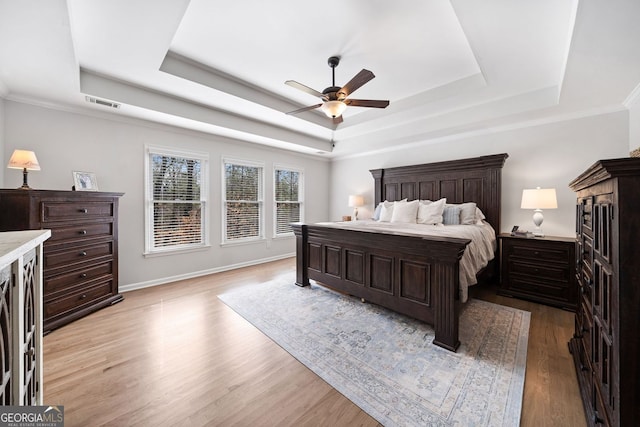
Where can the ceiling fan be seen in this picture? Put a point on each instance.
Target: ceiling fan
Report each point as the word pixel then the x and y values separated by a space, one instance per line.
pixel 335 99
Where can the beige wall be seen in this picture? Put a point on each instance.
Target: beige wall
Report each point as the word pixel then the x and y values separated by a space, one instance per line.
pixel 548 155
pixel 114 150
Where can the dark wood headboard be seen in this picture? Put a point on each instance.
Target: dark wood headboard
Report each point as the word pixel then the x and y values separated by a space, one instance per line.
pixel 476 180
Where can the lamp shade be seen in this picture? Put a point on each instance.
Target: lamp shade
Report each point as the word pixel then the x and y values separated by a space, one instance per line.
pixel 24 159
pixel 539 198
pixel 356 201
pixel 333 108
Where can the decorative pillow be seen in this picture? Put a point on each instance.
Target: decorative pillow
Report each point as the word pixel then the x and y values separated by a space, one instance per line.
pixel 405 212
pixel 451 215
pixel 386 212
pixel 468 213
pixel 431 213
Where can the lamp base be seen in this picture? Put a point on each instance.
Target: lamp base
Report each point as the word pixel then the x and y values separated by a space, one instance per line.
pixel 537 220
pixel 25 186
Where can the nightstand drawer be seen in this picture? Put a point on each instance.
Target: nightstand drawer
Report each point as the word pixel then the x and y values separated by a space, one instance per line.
pixel 553 253
pixel 532 288
pixel 538 271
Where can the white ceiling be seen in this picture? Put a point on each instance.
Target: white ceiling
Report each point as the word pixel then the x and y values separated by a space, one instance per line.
pixel 447 67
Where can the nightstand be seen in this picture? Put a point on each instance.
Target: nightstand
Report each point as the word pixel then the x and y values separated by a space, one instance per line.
pixel 539 269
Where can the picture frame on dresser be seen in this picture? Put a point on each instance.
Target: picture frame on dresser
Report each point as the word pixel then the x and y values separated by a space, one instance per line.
pixel 84 181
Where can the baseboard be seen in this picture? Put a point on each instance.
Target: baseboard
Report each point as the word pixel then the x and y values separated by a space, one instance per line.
pixel 170 279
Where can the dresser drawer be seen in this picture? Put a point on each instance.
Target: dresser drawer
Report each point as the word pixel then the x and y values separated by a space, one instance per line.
pixel 537 271
pixel 79 232
pixel 68 281
pixel 559 254
pixel 79 210
pixel 77 254
pixel 78 300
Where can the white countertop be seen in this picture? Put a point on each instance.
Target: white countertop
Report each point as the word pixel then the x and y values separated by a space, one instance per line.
pixel 14 244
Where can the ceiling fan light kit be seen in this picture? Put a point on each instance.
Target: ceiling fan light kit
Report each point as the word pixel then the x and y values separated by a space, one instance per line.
pixel 333 109
pixel 335 98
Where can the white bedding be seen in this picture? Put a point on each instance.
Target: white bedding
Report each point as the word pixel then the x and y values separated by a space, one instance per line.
pixel 476 256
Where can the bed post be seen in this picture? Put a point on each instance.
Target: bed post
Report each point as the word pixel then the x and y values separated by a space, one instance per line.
pixel 302 255
pixel 377 178
pixel 447 307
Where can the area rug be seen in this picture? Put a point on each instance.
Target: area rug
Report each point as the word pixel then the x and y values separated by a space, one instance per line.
pixel 386 363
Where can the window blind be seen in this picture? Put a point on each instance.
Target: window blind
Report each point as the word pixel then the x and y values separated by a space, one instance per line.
pixel 177 202
pixel 287 185
pixel 243 201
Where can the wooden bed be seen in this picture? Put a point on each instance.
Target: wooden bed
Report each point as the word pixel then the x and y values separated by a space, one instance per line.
pixel 415 276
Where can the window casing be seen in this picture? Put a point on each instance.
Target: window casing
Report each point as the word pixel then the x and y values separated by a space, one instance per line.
pixel 243 201
pixel 176 202
pixel 288 186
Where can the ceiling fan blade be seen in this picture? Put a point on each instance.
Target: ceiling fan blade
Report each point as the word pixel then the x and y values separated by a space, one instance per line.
pixel 337 120
pixel 372 103
pixel 304 88
pixel 300 110
pixel 360 79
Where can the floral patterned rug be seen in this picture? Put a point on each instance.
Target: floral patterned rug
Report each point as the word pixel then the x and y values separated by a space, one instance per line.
pixel 385 362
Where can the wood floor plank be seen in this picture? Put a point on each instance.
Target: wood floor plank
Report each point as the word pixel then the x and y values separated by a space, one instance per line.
pixel 175 355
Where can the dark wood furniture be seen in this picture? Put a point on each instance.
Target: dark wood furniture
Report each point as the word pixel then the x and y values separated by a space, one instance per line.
pixel 416 276
pixel 539 269
pixel 606 343
pixel 80 258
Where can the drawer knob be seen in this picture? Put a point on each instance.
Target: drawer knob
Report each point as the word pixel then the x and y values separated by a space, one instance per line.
pixel 536 253
pixel 82 232
pixel 83 253
pixel 83 275
pixel 83 210
pixel 83 296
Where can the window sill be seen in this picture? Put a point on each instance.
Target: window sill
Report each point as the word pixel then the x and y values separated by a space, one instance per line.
pixel 176 251
pixel 243 242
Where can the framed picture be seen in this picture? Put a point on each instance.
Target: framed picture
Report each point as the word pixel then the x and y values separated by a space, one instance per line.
pixel 84 181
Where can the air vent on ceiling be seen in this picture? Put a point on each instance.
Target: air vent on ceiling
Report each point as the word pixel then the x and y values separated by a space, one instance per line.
pixel 104 102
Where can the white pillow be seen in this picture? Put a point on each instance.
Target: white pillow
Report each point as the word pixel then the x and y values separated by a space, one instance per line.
pixel 468 213
pixel 431 213
pixel 479 216
pixel 386 212
pixel 405 212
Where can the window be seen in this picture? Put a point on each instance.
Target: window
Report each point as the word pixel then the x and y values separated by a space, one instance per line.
pixel 176 208
pixel 243 201
pixel 288 190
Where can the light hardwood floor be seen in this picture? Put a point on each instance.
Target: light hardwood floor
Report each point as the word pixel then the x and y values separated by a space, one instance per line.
pixel 175 355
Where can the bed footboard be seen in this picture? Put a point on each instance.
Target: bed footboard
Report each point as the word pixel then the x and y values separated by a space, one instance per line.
pixel 415 276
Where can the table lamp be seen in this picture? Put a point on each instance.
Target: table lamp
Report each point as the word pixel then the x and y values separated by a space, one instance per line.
pixel 538 199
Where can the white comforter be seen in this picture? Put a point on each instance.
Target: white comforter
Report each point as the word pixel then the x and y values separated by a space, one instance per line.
pixel 476 256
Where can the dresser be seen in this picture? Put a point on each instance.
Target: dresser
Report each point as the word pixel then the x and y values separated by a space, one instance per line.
pixel 539 269
pixel 606 342
pixel 81 257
